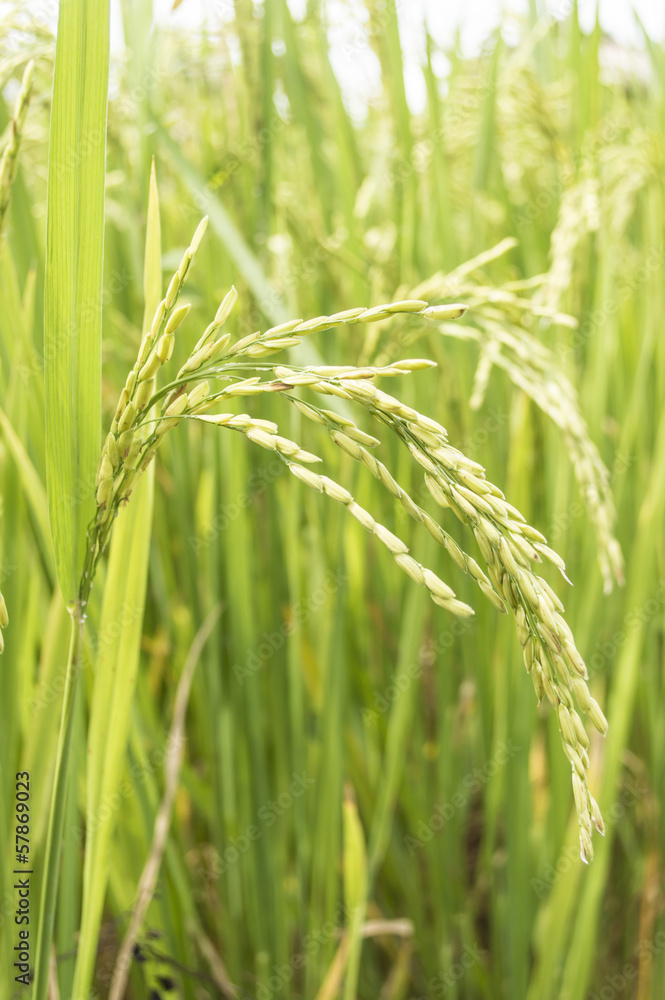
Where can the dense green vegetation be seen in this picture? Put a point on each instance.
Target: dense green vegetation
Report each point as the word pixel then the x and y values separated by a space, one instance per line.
pixel 371 802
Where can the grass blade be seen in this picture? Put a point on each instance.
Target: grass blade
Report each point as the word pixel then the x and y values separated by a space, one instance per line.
pixel 355 889
pixel 72 358
pixel 73 284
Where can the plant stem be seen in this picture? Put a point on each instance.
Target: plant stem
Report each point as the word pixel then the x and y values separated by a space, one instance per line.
pixel 57 814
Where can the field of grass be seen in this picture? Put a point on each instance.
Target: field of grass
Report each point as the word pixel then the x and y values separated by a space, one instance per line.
pixel 262 762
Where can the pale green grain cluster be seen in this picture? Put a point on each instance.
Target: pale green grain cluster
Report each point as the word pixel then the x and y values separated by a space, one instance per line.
pixel 498 322
pixel 135 435
pixel 508 546
pixel 532 367
pixel 259 345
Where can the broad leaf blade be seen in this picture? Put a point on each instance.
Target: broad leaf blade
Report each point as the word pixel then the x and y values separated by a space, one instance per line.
pixel 73 283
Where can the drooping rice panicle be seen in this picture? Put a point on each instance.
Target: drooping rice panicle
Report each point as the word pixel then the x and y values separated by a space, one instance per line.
pixel 506 542
pixel 531 366
pixel 495 326
pixel 352 441
pixel 508 545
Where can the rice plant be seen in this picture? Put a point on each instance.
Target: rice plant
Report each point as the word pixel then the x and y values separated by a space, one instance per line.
pixel 263 763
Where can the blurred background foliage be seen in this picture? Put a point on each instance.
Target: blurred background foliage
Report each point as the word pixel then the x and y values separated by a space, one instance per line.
pixel 328 671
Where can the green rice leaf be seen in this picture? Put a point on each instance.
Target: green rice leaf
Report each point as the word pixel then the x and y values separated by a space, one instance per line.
pixel 73 283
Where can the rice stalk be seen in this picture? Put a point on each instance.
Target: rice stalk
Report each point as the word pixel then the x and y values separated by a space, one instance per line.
pixel 532 368
pixel 508 545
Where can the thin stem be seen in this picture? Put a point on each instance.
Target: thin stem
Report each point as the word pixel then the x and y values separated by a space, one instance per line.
pixel 150 873
pixel 57 814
